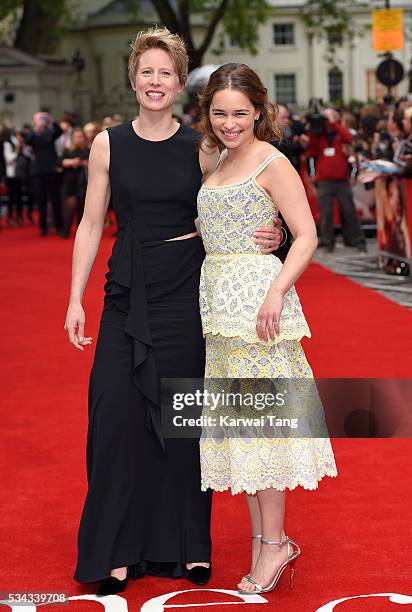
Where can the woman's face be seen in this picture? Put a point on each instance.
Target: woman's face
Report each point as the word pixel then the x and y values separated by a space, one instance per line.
pixel 90 131
pixel 78 140
pixel 406 123
pixel 157 82
pixel 232 116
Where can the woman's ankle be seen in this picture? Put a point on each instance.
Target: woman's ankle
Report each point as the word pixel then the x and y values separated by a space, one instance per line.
pixel 119 572
pixel 190 566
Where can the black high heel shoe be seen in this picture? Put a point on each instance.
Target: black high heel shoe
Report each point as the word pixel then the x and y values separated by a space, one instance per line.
pixel 199 575
pixel 112 585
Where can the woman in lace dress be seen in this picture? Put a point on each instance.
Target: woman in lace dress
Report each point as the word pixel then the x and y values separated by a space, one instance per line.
pixel 251 315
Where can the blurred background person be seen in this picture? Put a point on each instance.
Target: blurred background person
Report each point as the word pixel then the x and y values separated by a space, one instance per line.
pixel 91 129
pixel 290 145
pixel 191 114
pixel 404 149
pixel 23 170
pixel 43 168
pixel 74 164
pixel 327 146
pixel 63 141
pixel 11 150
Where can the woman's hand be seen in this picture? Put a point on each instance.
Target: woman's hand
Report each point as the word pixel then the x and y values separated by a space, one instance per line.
pixel 267 325
pixel 269 238
pixel 75 319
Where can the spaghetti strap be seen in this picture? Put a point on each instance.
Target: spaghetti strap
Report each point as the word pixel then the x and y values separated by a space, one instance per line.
pixel 266 162
pixel 221 157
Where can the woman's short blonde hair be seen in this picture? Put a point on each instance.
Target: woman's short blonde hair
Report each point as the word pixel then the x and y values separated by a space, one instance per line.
pixel 159 38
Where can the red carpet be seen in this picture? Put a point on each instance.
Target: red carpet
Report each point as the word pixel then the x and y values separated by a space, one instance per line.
pixel 354 531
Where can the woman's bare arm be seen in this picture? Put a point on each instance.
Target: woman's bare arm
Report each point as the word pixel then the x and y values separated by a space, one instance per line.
pixel 284 185
pixel 89 234
pixel 71 163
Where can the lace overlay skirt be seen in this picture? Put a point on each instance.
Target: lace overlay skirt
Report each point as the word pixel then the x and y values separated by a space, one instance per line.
pixel 259 461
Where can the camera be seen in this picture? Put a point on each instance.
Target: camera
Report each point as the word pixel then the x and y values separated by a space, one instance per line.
pixel 315 117
pixel 297 126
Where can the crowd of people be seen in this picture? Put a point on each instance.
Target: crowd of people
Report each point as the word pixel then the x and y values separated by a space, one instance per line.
pixel 335 145
pixel 46 162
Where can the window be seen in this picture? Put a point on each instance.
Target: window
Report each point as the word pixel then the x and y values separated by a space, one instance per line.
pixel 335 82
pixel 285 88
pixel 283 34
pixel 335 37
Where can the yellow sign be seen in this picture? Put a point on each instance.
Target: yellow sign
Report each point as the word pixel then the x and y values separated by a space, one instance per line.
pixel 387 29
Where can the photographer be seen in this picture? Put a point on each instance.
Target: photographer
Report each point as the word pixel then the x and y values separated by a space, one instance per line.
pixel 328 145
pixel 43 168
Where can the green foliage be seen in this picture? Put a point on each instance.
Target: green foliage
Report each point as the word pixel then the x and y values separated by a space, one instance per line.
pixel 355 105
pixel 38 24
pixel 9 6
pixel 331 20
pixel 241 22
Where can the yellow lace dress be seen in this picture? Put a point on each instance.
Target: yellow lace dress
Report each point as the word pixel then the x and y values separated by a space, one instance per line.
pixel 234 281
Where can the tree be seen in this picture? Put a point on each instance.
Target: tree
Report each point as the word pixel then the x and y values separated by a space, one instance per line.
pixel 40 25
pixel 240 20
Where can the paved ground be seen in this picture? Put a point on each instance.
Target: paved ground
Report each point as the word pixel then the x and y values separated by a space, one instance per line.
pixel 363 268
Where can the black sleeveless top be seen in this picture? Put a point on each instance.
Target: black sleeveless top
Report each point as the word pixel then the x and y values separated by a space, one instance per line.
pixel 157 182
pixel 154 188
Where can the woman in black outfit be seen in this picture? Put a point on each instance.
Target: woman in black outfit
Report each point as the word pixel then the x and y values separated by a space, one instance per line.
pixel 74 162
pixel 144 511
pixel 11 149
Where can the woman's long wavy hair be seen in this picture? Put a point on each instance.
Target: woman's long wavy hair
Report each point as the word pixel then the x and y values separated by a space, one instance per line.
pixel 240 78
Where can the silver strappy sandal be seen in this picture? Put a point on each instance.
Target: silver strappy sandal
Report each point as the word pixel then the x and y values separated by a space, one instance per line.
pixel 293 554
pixel 254 537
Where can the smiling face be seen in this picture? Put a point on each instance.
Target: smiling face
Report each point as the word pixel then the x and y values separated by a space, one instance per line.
pixel 156 83
pixel 232 117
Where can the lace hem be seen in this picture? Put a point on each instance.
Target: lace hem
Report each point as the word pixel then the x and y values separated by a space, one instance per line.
pixel 247 332
pixel 245 488
pixel 256 464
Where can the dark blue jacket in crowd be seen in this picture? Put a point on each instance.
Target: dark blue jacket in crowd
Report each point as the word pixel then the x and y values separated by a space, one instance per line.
pixel 44 151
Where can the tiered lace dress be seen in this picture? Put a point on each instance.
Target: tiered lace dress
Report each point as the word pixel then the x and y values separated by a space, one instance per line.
pixel 234 281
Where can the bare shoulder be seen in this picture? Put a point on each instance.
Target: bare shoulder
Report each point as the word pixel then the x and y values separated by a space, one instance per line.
pixel 101 142
pixel 264 151
pixel 100 151
pixel 278 172
pixel 208 156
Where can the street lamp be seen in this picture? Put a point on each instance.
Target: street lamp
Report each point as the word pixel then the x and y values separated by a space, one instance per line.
pixel 78 63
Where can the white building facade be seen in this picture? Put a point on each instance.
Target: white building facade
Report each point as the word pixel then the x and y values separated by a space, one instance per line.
pixel 293 67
